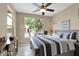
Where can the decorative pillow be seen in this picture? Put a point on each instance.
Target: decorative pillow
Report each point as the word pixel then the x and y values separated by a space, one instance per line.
pixel 61 36
pixel 73 35
pixel 68 36
pixel 39 33
pixel 65 35
pixel 55 35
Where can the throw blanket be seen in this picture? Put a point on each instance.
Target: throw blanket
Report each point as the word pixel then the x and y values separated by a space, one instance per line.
pixel 49 46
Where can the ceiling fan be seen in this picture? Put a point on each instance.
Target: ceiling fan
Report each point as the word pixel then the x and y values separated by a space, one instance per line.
pixel 43 8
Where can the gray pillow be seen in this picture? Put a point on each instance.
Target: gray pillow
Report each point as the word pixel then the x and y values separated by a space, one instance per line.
pixel 65 35
pixel 73 35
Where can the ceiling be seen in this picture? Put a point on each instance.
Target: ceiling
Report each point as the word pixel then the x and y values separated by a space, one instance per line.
pixel 29 8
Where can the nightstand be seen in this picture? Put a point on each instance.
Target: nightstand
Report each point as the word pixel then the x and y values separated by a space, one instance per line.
pixel 77 49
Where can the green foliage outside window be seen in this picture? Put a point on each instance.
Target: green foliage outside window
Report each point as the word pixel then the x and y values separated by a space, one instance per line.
pixel 34 24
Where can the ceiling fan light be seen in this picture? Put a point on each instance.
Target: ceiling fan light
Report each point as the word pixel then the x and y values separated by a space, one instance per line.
pixel 42 10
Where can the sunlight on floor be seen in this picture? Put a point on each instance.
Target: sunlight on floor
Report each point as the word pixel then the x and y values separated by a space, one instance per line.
pixel 24 50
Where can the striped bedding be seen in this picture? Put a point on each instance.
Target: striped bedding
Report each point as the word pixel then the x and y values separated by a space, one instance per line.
pixel 50 46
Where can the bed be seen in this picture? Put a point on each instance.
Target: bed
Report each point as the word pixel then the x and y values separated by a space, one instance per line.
pixel 47 45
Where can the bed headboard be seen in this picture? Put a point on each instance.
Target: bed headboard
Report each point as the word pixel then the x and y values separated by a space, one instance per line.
pixel 69 31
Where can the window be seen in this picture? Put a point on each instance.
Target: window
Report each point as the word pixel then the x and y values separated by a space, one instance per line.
pixel 32 26
pixel 9 24
pixel 9 20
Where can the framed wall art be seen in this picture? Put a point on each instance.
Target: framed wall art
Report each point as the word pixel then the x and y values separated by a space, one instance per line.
pixel 65 25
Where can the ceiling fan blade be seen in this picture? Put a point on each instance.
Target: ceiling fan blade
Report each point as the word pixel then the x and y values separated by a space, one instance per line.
pixel 36 5
pixel 48 4
pixel 51 10
pixel 43 13
pixel 36 10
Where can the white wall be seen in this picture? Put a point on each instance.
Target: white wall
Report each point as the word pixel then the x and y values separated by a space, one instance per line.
pixel 70 13
pixel 3 20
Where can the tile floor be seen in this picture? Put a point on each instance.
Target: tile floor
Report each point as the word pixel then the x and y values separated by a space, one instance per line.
pixel 24 50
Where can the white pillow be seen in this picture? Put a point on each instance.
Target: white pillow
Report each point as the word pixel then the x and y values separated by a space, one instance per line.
pixel 55 35
pixel 71 35
pixel 65 35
